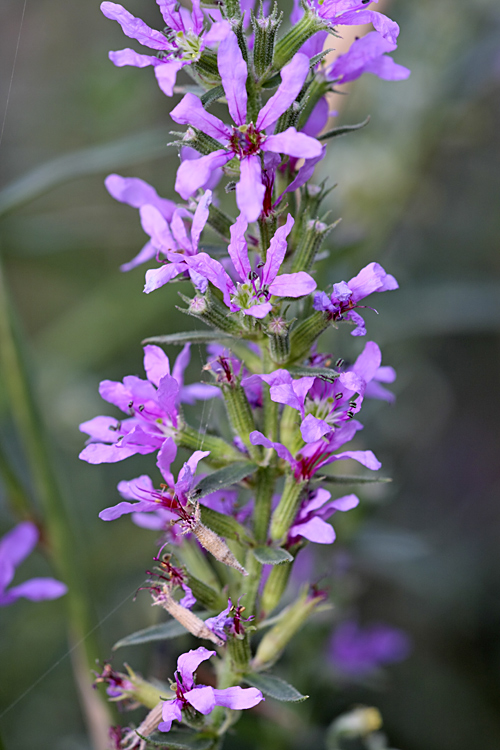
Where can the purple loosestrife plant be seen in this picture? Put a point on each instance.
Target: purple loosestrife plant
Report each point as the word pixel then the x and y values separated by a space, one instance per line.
pixel 235 525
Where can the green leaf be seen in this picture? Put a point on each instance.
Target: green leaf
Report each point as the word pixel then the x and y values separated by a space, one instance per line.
pixel 345 479
pixel 272 555
pixel 195 337
pixel 211 96
pixel 94 160
pixel 223 525
pixel 162 632
pixel 323 373
pixel 179 740
pixel 343 129
pixel 274 687
pixel 223 478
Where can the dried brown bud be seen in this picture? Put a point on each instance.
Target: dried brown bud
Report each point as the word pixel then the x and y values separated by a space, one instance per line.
pixel 214 544
pixel 187 619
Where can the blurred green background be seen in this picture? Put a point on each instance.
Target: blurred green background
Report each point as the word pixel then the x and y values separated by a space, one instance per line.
pixel 418 191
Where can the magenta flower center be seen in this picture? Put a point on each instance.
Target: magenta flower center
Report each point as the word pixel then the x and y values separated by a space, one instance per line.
pixel 246 141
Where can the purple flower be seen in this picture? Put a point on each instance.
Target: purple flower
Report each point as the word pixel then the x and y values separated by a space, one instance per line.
pixel 310 522
pixel 244 141
pixel 359 651
pixel 173 496
pixel 15 546
pixel 152 406
pixel 345 296
pixel 356 13
pixel 229 621
pixel 181 44
pixel 202 697
pixel 313 456
pixel 175 243
pixel 325 406
pixel 252 295
pixel 367 55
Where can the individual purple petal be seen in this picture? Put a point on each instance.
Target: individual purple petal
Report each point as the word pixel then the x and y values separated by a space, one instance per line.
pixel 318 118
pixel 156 363
pixel 294 144
pixel 233 73
pixel 194 173
pixel 166 456
pixel 218 32
pixel 188 599
pixel 385 26
pixel 136 193
pixel 385 68
pixel 276 252
pixel 18 543
pixel 371 278
pixel 347 502
pixel 199 392
pixel 259 311
pixel 367 54
pixel 202 698
pixel 250 191
pixel 181 363
pixel 136 489
pixel 375 390
pixel 36 589
pixel 238 249
pixel 134 27
pixel 147 253
pixel 293 76
pixel 166 75
pixel 238 698
pixel 98 453
pixel 171 711
pixel 190 111
pixel 351 381
pixel 368 362
pixel 313 429
pixel 168 394
pixel 214 272
pixel 155 225
pixel 315 530
pixel 158 277
pixel 116 511
pixel 188 663
pixel 293 285
pixel 306 171
pixel 200 218
pixel 128 56
pixel 367 458
pixel 116 393
pixel 257 438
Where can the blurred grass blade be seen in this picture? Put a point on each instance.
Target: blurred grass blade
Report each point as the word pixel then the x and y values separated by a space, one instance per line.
pixel 94 160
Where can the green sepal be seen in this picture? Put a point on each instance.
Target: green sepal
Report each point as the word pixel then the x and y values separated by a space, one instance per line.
pixel 323 373
pixel 224 526
pixel 164 631
pixel 206 595
pixel 272 555
pixel 211 96
pixel 274 687
pixel 223 478
pixel 343 129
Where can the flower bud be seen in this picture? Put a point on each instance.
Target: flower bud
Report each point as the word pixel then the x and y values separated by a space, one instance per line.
pixel 305 334
pixel 360 722
pixel 208 308
pixel 278 332
pixel 198 140
pixel 288 45
pixel 309 244
pixel 241 417
pixel 291 620
pixel 265 29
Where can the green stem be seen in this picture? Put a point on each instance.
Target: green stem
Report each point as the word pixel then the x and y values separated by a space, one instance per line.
pixel 286 511
pixel 62 543
pixel 16 494
pixel 241 417
pixel 250 587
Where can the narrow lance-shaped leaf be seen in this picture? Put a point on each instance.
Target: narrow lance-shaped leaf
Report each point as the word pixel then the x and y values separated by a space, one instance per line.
pixel 162 632
pixel 223 478
pixel 352 479
pixel 275 687
pixel 343 129
pixel 194 337
pixel 179 740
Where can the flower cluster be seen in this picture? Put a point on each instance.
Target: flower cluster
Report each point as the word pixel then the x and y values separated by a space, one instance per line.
pixel 290 411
